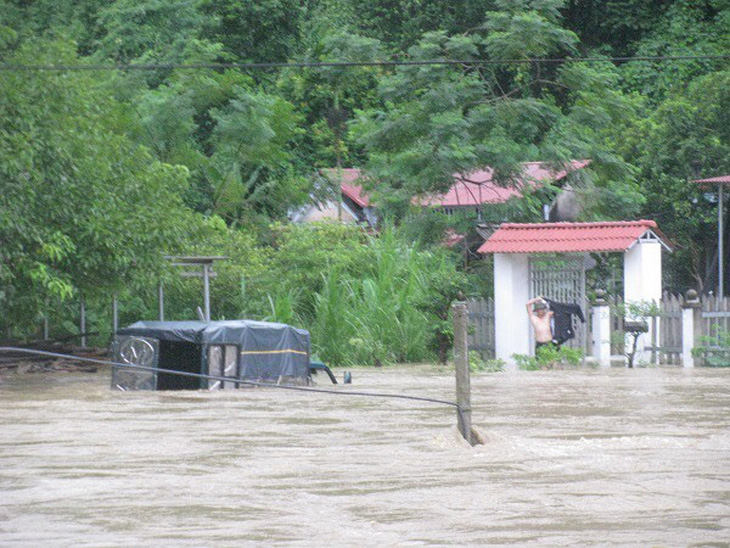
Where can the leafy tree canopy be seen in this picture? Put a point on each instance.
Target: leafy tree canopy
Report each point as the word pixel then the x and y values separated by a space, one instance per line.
pixel 446 119
pixel 83 208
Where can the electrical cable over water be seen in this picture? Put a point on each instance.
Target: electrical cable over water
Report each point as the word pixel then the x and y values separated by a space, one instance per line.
pixel 232 379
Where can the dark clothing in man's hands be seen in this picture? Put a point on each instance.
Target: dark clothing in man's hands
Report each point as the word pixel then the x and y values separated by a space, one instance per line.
pixel 563 318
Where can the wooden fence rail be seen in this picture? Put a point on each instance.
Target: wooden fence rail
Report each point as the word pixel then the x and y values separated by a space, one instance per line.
pixel 481 326
pixel 713 326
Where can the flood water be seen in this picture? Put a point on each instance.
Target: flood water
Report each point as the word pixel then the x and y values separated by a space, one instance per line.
pixel 573 458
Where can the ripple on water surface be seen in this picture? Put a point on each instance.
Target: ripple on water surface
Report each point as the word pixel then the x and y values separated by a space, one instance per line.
pixel 573 458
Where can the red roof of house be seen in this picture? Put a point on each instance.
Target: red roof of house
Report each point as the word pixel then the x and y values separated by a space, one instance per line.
pixel 347 177
pixel 452 238
pixel 568 237
pixel 723 180
pixel 479 187
pixel 471 190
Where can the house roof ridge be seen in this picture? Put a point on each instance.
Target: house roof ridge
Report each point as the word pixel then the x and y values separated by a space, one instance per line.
pixel 587 224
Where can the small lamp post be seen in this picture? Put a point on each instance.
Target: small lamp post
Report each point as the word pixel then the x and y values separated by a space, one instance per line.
pixel 720 182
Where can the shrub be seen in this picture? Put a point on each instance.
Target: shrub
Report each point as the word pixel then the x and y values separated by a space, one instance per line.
pixel 715 350
pixel 549 357
pixel 479 364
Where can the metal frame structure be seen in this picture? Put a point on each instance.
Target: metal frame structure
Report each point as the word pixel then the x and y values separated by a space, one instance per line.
pixel 205 264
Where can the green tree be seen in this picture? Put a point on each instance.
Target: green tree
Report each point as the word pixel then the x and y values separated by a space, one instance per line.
pixel 440 120
pixel 261 31
pixel 687 28
pixel 401 24
pixel 254 167
pixel 686 138
pixel 149 30
pixel 82 209
pixel 327 97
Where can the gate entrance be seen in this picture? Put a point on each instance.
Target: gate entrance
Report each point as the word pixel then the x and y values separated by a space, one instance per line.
pixel 557 271
pixel 561 278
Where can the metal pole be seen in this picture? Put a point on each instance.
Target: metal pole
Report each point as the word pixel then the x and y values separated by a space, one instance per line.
pixel 83 323
pixel 461 366
pixel 46 326
pixel 160 303
pixel 720 233
pixel 206 291
pixel 115 314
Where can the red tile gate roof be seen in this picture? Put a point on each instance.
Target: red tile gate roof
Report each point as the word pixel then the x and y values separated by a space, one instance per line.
pixel 723 179
pixel 568 237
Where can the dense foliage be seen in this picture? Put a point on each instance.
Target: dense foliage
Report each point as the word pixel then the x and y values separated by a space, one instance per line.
pixel 104 172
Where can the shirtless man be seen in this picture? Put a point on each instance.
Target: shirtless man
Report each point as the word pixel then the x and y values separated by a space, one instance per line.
pixel 540 317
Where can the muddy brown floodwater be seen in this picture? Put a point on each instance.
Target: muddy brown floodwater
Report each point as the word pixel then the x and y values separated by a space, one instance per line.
pixel 573 458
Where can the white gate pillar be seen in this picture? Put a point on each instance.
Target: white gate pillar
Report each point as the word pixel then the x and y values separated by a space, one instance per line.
pixel 643 285
pixel 511 292
pixel 690 315
pixel 601 330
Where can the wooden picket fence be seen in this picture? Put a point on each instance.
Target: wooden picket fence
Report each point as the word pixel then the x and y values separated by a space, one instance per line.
pixel 481 326
pixel 712 332
pixel 670 330
pixel 714 322
pixel 715 316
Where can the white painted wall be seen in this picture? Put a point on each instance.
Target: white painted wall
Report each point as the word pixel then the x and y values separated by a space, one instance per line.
pixel 643 283
pixel 511 292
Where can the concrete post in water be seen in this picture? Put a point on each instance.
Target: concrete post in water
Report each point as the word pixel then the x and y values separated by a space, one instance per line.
pixel 601 330
pixel 461 365
pixel 690 313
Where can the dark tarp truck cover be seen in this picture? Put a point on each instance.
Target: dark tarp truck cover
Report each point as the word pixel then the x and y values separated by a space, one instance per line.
pixel 267 351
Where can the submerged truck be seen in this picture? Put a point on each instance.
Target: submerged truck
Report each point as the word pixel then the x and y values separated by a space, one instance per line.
pixel 160 355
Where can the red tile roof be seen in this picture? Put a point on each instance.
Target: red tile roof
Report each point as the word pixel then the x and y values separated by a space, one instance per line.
pixel 568 237
pixel 723 180
pixel 452 238
pixel 471 190
pixel 347 177
pixel 479 186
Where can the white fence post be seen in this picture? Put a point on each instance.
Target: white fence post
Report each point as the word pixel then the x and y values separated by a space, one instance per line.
pixel 601 330
pixel 691 305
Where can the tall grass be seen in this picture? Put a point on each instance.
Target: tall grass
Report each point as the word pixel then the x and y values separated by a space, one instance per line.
pixel 374 318
pixel 376 300
pixel 330 328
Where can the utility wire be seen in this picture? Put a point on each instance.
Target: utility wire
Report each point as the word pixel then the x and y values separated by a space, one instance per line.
pixel 336 64
pixel 229 379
